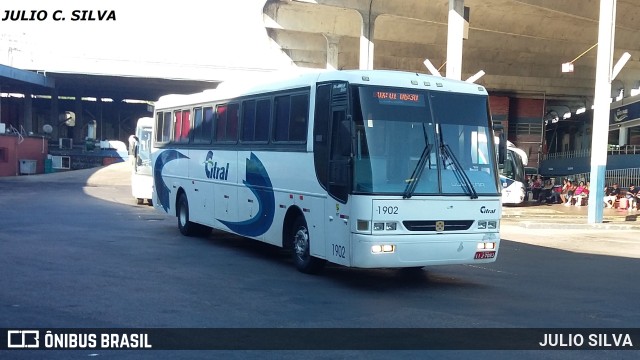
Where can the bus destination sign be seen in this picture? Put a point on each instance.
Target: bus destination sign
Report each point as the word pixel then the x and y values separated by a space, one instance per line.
pixel 399 98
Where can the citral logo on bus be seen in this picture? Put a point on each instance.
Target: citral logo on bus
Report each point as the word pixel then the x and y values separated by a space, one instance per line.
pixel 484 210
pixel 213 171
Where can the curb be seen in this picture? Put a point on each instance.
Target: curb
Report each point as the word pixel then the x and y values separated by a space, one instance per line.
pixel 574 226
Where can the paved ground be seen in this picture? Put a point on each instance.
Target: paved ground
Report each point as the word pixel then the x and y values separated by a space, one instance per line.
pixel 558 216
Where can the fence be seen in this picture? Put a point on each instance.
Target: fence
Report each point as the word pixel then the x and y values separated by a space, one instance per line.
pixel 623 177
pixel 611 150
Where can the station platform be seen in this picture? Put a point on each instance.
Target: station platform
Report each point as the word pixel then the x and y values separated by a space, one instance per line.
pixel 557 216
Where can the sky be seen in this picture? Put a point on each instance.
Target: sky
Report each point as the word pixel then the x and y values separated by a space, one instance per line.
pixel 190 36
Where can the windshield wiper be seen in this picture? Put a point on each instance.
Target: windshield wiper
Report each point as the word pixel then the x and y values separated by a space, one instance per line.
pixel 461 175
pixel 412 182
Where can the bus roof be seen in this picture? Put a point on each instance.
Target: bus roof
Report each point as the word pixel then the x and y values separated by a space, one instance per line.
pixel 145 121
pixel 291 79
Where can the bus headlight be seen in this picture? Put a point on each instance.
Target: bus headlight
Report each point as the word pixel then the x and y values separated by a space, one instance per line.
pixel 386 248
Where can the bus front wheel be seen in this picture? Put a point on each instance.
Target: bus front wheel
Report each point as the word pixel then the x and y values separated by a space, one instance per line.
pixel 302 258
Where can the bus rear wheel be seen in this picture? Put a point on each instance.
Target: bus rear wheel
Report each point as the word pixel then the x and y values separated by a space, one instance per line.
pixel 186 227
pixel 302 258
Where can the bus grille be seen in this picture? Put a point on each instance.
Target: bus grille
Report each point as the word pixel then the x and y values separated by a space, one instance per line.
pixel 430 225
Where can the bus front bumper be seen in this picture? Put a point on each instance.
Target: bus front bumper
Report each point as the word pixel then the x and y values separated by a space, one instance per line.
pixel 368 251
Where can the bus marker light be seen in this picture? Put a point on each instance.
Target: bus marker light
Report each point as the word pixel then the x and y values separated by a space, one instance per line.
pixel 362 225
pixel 378 226
pixel 391 226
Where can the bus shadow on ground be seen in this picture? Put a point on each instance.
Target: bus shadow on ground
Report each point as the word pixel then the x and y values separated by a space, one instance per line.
pixel 358 278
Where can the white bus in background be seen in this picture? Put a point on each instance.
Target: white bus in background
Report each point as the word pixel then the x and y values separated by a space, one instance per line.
pixel 140 155
pixel 365 169
pixel 512 175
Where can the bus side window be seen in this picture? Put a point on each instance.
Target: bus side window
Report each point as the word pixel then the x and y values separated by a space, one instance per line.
pixel 290 123
pixel 298 121
pixel 233 111
pixel 221 122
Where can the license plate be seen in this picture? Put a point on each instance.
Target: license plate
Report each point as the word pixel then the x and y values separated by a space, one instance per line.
pixel 485 255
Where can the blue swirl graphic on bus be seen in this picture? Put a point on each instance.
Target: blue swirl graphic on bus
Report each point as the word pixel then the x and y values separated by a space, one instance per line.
pixel 505 181
pixel 161 188
pixel 260 184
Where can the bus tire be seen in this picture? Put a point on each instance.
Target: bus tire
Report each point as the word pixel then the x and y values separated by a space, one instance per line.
pixel 302 258
pixel 139 201
pixel 186 227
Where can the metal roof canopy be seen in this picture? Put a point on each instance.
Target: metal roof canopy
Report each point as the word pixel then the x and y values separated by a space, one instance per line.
pixel 99 86
pixel 125 87
pixel 16 80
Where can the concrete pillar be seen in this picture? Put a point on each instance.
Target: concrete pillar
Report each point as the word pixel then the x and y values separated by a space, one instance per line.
pixel 366 40
pixel 601 109
pixel 99 119
pixel 78 130
pixel 623 135
pixel 455 35
pixel 28 114
pixel 115 119
pixel 332 51
pixel 53 114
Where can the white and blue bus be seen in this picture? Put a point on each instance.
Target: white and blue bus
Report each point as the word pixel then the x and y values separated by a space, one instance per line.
pixel 140 155
pixel 513 177
pixel 369 169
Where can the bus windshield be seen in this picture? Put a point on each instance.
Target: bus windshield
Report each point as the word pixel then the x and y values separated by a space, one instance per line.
pixel 418 142
pixel 513 167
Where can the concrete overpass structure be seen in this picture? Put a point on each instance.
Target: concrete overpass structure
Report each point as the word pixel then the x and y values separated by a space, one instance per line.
pixel 520 44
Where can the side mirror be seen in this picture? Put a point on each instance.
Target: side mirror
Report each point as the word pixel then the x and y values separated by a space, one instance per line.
pixel 502 151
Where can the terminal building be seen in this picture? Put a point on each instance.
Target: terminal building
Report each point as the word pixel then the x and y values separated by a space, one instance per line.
pixel 538 58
